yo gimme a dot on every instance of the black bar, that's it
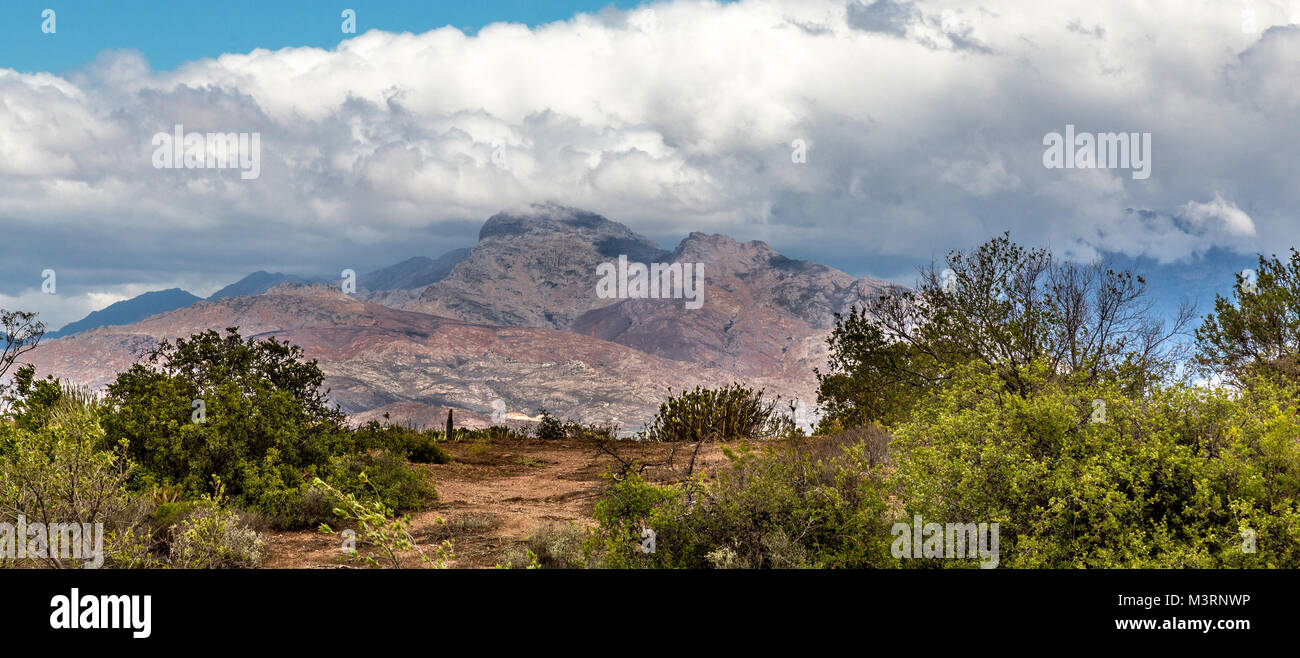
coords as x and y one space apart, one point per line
360 607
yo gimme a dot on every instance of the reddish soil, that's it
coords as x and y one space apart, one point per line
495 494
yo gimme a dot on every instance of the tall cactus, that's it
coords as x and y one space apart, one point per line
450 429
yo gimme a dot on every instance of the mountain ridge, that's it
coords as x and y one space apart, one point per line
517 319
129 310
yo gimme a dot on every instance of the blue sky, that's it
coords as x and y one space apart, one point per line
171 32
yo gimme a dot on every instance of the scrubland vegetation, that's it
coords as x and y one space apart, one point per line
1016 389
1007 388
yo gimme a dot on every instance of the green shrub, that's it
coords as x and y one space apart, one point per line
785 506
621 516
576 431
419 446
708 414
493 433
163 518
549 428
1170 480
53 471
212 536
387 478
265 421
376 527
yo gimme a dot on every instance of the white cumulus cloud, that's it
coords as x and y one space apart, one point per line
924 123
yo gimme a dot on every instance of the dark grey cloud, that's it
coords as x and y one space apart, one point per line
882 16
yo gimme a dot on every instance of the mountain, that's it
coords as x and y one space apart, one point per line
255 284
412 273
535 269
518 318
129 310
416 272
376 357
763 314
159 301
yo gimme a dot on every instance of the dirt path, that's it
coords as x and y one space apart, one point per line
492 496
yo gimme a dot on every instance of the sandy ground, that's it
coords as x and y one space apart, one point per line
494 495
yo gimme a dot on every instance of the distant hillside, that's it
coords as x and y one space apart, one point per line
255 284
128 311
416 272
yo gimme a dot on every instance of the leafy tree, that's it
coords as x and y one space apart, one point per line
1004 306
28 399
871 378
20 332
251 412
1257 332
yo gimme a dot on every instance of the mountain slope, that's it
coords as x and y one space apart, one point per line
255 284
376 357
416 272
129 310
763 314
534 270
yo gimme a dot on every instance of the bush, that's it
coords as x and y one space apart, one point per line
54 472
419 446
706 414
264 422
621 515
1170 480
549 428
264 431
576 431
386 477
550 546
214 537
782 507
493 433
376 527
380 476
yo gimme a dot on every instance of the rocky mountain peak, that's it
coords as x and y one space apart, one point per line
548 222
535 269
726 253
